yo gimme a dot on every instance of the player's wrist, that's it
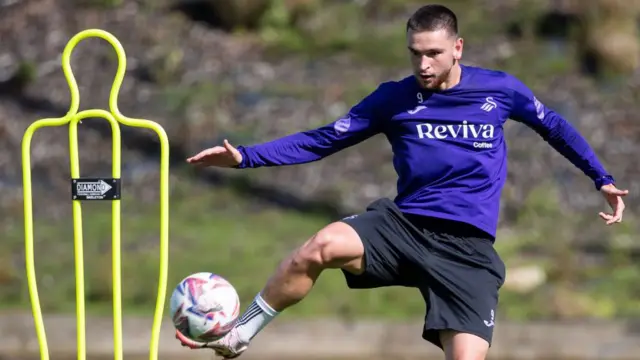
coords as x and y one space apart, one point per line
243 154
603 180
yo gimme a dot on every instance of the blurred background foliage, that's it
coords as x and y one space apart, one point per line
252 70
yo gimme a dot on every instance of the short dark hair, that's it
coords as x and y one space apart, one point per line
433 17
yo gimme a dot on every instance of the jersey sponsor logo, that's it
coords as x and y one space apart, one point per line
463 131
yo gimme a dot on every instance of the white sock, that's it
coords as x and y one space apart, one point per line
254 319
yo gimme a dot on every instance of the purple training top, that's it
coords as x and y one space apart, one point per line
449 148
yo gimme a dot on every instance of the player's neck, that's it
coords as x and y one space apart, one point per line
453 79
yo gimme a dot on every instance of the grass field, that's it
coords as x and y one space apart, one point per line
219 230
211 229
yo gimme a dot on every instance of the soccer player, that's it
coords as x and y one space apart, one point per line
445 125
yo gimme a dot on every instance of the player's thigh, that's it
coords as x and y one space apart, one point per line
463 346
337 245
391 248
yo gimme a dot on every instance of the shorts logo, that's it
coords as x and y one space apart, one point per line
491 322
350 217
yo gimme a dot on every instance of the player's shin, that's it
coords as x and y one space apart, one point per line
291 282
335 246
254 319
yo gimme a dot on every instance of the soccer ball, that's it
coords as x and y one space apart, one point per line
204 306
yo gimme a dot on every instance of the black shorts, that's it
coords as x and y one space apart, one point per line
454 265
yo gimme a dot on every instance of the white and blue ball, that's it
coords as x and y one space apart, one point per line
204 306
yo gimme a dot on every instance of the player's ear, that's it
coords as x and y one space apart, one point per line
457 48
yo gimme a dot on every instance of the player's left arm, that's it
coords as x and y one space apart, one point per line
565 139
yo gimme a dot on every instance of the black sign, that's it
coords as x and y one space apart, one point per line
95 189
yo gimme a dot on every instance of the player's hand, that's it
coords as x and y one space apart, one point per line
219 156
187 342
613 196
219 347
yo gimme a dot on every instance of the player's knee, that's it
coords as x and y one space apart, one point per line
330 247
463 346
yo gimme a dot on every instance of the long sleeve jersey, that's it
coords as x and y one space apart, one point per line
449 148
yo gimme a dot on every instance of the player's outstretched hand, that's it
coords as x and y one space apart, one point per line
219 156
613 196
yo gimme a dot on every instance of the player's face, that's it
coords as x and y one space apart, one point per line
433 55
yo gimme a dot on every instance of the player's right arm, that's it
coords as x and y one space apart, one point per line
363 120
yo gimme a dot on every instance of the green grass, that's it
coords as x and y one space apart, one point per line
232 234
211 230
